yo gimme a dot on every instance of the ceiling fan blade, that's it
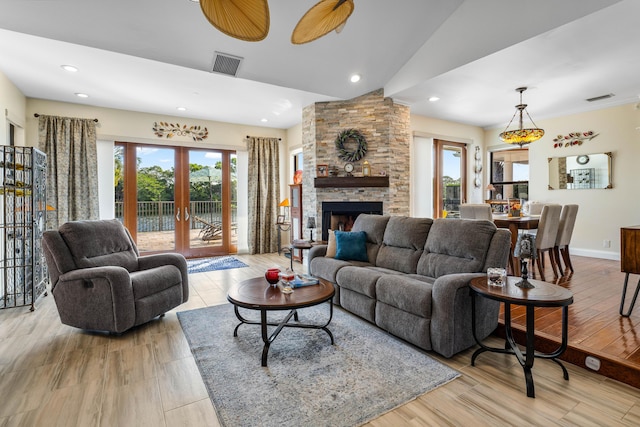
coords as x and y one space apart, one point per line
242 19
324 17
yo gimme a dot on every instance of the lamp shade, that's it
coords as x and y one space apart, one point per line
311 222
242 19
284 203
324 17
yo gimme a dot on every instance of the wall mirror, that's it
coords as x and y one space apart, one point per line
580 172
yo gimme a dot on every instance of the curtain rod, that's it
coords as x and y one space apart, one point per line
279 139
38 115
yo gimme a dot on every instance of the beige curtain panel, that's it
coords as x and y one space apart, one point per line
72 178
264 194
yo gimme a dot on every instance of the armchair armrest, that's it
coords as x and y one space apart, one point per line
157 260
98 298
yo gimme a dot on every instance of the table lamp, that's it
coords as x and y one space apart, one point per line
525 250
285 204
311 224
490 189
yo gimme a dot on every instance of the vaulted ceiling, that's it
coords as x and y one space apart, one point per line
157 55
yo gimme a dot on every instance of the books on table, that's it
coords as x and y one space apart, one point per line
303 280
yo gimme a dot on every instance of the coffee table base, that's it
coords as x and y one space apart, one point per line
268 339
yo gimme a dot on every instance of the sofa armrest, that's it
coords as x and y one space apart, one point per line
157 260
314 252
98 298
451 330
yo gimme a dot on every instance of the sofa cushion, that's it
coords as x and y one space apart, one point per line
405 293
351 245
327 268
360 280
456 246
331 245
374 226
403 242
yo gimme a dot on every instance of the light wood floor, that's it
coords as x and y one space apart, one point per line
54 375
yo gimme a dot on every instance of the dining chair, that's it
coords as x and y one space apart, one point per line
565 231
476 211
535 208
546 237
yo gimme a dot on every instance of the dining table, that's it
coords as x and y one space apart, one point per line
515 224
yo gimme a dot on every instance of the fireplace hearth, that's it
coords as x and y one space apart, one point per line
345 213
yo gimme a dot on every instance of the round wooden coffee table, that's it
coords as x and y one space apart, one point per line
543 294
258 294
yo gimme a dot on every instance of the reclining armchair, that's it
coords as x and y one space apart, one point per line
100 282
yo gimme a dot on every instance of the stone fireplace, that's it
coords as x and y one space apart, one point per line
386 127
341 215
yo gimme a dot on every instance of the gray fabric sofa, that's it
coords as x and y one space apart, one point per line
100 282
415 284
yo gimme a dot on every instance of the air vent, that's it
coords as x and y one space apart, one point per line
600 98
224 63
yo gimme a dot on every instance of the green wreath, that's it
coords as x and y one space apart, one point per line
347 136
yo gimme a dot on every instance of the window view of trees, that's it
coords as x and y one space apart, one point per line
157 184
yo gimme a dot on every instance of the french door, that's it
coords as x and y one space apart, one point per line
450 181
177 199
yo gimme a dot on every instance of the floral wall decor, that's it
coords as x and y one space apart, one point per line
574 138
163 129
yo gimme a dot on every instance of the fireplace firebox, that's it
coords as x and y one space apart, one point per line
344 213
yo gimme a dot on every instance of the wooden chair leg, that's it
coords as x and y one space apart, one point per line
556 255
540 264
567 259
553 263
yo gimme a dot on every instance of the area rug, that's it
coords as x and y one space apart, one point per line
308 381
211 264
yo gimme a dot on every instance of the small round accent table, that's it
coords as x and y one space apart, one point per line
542 295
258 294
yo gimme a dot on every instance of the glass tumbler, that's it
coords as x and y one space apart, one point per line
496 276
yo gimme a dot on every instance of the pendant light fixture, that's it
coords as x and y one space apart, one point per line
521 136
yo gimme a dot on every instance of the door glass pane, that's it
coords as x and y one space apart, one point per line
205 198
155 177
451 180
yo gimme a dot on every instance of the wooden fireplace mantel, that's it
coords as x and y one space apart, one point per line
351 181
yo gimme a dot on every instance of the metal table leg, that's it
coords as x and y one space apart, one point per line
624 294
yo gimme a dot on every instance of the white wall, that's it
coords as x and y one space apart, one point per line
602 212
13 106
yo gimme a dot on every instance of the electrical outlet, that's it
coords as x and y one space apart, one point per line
592 363
606 243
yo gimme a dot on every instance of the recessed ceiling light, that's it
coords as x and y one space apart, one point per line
434 99
181 108
264 120
69 68
355 78
82 95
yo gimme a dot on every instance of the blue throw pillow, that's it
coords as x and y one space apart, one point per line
351 246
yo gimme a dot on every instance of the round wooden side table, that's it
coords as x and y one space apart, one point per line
542 295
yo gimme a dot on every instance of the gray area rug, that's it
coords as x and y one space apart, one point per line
308 381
